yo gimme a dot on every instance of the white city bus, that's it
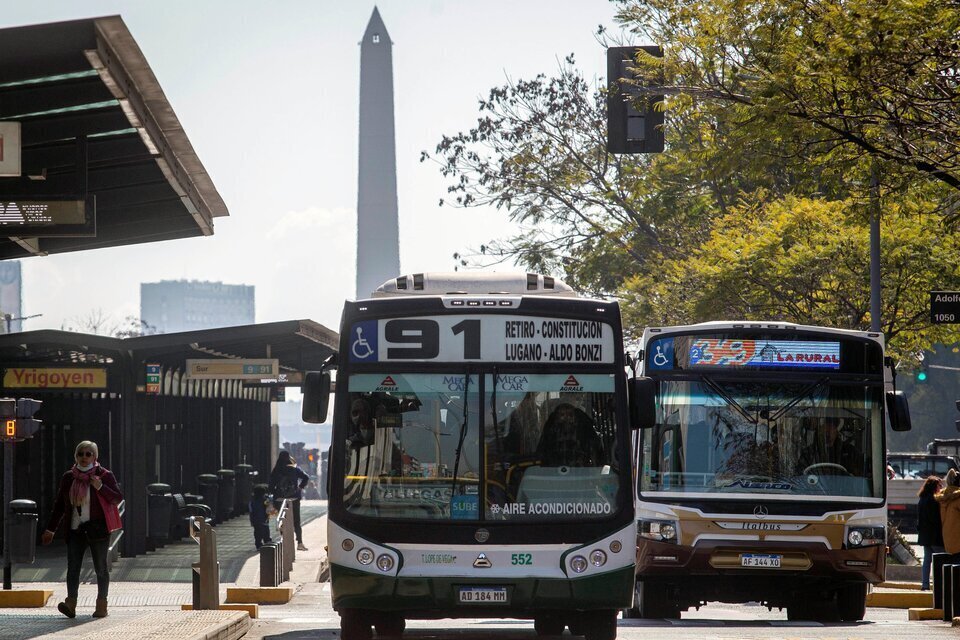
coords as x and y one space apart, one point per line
480 460
763 477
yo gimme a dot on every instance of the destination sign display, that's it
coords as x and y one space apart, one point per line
482 338
743 353
945 307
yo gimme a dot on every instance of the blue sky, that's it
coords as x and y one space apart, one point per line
267 93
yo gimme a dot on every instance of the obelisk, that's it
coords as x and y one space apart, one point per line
378 235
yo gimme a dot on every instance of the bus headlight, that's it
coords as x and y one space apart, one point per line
615 546
659 530
384 562
598 558
347 544
866 536
365 556
578 564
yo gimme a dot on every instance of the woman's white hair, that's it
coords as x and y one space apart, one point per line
87 444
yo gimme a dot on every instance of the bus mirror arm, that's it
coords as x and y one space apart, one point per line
898 410
643 408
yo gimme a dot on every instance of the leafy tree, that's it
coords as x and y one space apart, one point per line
867 78
754 165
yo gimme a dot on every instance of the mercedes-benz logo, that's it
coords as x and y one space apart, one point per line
761 511
481 536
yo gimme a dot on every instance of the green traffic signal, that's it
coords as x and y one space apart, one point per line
922 376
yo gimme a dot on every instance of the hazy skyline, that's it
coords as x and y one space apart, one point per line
268 95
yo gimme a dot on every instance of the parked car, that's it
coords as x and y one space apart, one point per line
909 472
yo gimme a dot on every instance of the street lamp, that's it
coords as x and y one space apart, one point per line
8 318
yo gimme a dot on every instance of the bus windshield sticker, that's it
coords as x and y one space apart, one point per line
482 338
465 507
562 383
363 341
723 352
662 357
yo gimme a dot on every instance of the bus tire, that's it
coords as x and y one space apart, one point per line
390 625
355 625
852 602
797 612
548 625
600 625
652 602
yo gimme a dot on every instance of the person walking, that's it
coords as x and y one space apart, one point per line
929 527
86 502
287 481
949 500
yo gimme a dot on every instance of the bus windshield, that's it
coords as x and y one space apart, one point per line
428 446
810 438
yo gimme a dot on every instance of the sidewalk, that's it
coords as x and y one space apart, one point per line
146 592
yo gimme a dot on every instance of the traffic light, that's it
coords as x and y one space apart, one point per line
17 418
922 375
628 129
956 423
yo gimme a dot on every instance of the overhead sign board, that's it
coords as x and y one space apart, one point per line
55 378
153 379
9 149
51 217
233 369
945 307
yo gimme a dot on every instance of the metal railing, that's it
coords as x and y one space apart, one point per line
113 549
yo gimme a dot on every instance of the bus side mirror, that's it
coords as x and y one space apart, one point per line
316 396
899 411
643 407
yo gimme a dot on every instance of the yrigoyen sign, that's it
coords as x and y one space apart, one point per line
55 378
233 369
945 307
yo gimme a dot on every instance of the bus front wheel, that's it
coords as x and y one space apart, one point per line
600 625
390 625
852 602
355 625
548 625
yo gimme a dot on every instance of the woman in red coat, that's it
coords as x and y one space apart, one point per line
87 500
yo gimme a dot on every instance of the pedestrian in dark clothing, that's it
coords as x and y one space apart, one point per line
86 501
929 527
287 481
260 506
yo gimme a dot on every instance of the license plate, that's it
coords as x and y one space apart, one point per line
767 561
483 595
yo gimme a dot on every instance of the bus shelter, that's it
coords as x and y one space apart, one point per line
152 420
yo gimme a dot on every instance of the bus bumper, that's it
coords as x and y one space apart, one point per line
438 597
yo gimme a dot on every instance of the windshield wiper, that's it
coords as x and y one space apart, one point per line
717 389
462 437
804 393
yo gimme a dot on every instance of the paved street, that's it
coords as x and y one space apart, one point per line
147 591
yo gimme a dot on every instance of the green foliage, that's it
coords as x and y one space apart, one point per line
782 114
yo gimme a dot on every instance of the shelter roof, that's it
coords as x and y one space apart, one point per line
88 78
299 345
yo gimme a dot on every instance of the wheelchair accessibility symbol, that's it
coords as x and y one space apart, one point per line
662 357
363 347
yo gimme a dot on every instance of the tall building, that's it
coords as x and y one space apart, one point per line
11 297
378 235
186 305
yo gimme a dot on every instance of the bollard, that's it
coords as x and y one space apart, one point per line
288 547
269 565
937 562
206 573
947 590
954 578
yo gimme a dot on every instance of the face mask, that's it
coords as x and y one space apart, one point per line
85 467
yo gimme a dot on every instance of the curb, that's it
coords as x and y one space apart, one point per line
900 599
915 613
24 598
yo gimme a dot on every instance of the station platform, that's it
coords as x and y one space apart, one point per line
147 592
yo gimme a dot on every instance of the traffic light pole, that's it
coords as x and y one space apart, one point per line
7 499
